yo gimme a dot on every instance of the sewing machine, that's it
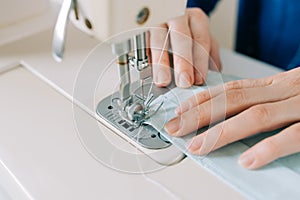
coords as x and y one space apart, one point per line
125 111
40 143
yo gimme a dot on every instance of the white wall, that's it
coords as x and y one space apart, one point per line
223 23
12 11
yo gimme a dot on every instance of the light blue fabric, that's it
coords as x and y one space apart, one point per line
278 180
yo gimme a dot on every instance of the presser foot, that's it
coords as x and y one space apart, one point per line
129 119
138 110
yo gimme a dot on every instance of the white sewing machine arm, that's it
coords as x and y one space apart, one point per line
106 18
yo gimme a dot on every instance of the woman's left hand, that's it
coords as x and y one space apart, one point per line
255 106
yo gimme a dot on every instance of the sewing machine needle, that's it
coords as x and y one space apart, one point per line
143 92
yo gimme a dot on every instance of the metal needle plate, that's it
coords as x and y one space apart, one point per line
145 135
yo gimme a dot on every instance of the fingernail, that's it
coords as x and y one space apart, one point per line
172 126
198 80
247 160
162 78
184 80
194 144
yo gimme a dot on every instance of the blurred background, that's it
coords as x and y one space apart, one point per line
223 23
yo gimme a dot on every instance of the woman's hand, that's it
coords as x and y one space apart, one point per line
192 47
255 106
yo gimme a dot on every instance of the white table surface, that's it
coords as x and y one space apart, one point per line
41 155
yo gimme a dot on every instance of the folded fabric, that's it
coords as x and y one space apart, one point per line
278 180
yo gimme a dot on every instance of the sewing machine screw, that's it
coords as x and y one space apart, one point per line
143 16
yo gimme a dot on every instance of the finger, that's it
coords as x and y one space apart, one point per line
229 87
219 108
198 22
257 119
188 122
274 82
182 51
199 98
197 117
285 143
215 61
227 104
159 43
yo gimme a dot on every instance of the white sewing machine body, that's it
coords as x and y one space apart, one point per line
41 155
